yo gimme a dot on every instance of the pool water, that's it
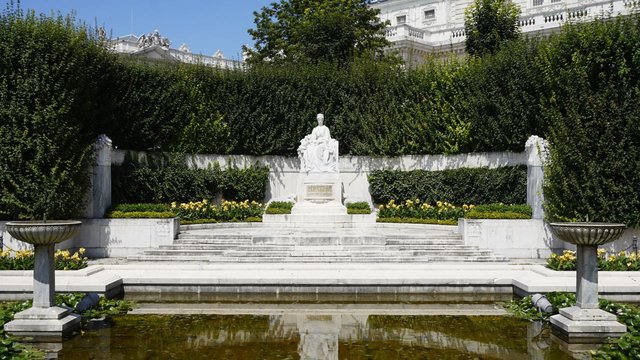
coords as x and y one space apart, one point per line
300 334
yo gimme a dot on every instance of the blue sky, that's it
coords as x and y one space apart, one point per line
204 25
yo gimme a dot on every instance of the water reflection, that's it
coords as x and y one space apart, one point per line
316 334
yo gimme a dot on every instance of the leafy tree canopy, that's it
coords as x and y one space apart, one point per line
488 23
310 31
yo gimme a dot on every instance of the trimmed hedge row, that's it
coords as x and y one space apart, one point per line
460 186
164 182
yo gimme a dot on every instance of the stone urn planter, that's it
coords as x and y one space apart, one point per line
44 320
585 322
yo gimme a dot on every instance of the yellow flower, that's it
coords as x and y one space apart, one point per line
381 207
81 251
439 203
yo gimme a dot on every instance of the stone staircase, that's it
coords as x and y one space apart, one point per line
266 244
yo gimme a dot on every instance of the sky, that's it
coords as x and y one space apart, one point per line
204 25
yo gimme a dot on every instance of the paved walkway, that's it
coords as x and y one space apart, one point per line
114 277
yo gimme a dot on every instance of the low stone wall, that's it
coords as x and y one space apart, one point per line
515 239
526 239
113 237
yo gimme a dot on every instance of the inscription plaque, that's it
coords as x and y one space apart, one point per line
320 191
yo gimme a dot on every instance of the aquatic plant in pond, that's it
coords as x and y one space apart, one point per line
626 347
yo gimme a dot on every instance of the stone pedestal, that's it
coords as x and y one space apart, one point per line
576 325
43 324
319 194
44 321
586 323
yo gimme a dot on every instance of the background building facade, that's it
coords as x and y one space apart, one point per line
419 28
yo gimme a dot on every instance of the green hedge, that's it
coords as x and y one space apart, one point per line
279 208
50 71
359 207
500 211
141 207
170 179
418 221
372 108
593 82
60 88
140 215
460 186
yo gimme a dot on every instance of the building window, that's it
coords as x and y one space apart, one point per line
400 20
538 2
430 14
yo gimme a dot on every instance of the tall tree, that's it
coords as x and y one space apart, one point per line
303 31
488 23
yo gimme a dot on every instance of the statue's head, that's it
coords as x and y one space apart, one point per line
320 119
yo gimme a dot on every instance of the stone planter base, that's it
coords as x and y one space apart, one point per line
576 325
43 324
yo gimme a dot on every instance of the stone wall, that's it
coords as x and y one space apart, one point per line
112 237
354 170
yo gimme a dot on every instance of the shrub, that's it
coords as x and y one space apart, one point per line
241 184
162 180
460 186
593 91
50 68
417 221
165 179
359 207
141 207
140 215
279 207
500 211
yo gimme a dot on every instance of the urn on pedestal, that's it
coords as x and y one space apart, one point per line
44 320
585 322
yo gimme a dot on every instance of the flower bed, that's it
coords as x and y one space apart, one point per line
225 212
24 260
622 261
415 211
198 212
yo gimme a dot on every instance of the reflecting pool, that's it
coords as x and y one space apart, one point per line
307 331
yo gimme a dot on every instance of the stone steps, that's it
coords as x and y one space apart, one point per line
387 244
318 259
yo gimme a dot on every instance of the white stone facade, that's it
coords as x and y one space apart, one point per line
426 27
141 46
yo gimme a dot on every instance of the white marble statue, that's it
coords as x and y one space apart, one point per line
318 152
